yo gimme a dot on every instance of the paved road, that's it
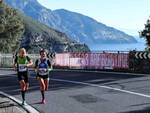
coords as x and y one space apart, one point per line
85 92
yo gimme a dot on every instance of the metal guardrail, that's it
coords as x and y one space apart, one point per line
7 60
136 64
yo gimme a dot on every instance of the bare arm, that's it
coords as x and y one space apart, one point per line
29 64
51 67
36 66
15 66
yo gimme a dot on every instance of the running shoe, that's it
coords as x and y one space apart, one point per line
43 101
23 102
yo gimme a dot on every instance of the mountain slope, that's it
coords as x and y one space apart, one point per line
90 30
77 26
38 36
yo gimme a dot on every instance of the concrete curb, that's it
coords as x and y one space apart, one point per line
27 107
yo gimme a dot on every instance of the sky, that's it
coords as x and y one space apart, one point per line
126 15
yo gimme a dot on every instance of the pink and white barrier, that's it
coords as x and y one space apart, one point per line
101 60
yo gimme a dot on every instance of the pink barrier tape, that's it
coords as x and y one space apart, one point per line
101 60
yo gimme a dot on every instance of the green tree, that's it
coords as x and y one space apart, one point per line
11 28
145 33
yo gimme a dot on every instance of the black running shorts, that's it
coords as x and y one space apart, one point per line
45 77
23 76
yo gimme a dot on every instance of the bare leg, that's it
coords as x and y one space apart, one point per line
22 85
42 88
46 82
26 86
42 85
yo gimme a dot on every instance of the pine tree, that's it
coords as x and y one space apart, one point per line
146 32
11 28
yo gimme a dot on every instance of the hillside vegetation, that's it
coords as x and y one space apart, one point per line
38 36
18 30
11 28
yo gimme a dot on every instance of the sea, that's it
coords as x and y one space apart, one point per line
139 46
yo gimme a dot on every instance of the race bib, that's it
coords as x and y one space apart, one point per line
42 72
22 68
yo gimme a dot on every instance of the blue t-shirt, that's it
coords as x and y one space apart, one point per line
43 64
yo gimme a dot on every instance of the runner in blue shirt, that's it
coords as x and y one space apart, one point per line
43 66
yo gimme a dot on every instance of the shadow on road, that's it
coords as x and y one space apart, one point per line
11 85
93 78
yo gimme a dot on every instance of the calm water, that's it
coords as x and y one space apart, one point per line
140 46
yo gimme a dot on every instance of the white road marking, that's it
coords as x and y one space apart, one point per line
27 107
101 86
8 74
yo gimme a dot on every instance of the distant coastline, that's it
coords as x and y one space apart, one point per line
139 46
